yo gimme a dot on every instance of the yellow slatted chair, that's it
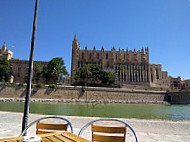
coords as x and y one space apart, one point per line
108 133
102 130
49 127
42 128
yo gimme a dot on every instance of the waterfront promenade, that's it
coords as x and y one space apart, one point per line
147 130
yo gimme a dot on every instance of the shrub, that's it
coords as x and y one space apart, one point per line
6 83
21 84
52 86
39 85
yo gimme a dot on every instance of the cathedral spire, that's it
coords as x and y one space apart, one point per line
4 47
102 48
75 37
75 43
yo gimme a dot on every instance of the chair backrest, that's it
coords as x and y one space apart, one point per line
49 127
108 134
99 132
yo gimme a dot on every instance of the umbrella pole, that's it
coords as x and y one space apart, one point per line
30 72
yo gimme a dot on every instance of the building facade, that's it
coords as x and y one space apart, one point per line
185 84
131 67
19 68
5 53
174 82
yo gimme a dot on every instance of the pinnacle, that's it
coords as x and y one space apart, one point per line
4 46
75 37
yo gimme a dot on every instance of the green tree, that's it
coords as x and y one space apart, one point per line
108 78
38 70
94 74
85 73
4 69
55 70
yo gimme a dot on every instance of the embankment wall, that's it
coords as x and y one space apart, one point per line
88 94
92 94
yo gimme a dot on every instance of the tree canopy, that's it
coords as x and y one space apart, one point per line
56 69
38 71
93 75
4 69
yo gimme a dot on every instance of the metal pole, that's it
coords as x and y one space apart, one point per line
30 72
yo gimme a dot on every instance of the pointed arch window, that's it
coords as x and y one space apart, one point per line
98 56
106 55
108 64
82 55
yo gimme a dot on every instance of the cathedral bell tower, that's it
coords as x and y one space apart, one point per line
75 57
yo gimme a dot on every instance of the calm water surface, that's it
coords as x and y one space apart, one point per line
142 111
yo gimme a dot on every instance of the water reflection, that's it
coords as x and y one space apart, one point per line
142 111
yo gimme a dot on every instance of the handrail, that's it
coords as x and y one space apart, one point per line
107 119
43 118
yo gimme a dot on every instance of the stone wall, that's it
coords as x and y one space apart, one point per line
178 97
89 94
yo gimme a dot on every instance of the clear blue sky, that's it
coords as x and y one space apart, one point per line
162 25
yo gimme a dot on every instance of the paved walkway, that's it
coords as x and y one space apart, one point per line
147 130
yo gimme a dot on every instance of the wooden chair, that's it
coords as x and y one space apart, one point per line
42 128
49 127
108 133
98 134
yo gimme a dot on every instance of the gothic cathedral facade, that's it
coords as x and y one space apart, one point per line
131 67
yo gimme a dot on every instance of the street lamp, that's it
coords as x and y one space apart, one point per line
29 82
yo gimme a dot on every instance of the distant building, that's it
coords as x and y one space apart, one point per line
158 78
174 82
131 67
19 68
185 84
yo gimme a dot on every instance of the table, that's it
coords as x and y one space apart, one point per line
52 137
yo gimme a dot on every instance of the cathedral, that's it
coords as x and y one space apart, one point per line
131 67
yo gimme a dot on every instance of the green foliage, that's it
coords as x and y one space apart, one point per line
56 69
108 78
13 84
52 86
94 75
122 67
6 83
32 85
39 85
21 84
38 70
4 70
25 79
83 89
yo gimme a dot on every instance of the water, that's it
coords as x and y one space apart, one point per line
142 111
